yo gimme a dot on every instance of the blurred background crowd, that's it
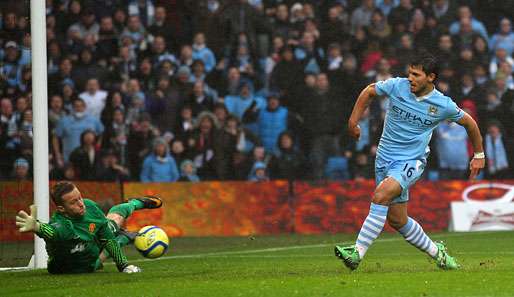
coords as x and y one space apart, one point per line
170 90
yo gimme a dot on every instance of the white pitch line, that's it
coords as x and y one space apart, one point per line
275 249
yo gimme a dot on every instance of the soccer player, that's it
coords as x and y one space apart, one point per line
415 109
78 231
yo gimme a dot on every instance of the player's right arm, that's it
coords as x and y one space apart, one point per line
29 223
360 106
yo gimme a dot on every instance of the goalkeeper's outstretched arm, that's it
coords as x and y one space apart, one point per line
28 223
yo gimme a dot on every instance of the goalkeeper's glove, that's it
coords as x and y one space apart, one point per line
26 222
131 269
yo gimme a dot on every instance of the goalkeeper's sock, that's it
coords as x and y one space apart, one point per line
371 228
138 204
124 209
414 234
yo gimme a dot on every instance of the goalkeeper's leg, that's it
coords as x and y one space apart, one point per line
119 213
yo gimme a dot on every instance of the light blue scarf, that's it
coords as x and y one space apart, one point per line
495 151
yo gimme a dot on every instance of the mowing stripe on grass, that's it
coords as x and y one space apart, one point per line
278 249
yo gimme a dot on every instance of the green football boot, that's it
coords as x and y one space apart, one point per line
349 255
443 260
150 202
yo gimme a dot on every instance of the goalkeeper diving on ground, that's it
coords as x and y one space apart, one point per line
79 237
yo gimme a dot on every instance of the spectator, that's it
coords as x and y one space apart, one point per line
258 173
287 161
244 140
135 31
202 52
499 57
55 112
161 27
337 27
480 50
444 51
465 35
185 122
86 69
87 24
116 133
452 151
159 166
13 65
107 40
281 25
221 113
21 170
206 146
9 28
94 97
443 11
199 101
361 16
386 6
504 38
145 55
57 78
378 27
85 158
141 136
498 150
144 9
401 15
322 126
287 73
237 105
243 61
69 130
114 101
178 150
271 121
109 169
468 89
309 54
188 172
6 117
145 76
22 104
465 17
20 134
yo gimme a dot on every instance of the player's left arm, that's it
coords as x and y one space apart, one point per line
107 240
478 161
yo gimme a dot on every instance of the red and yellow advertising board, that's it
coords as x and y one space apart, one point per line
256 208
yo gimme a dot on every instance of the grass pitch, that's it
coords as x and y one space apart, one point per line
291 265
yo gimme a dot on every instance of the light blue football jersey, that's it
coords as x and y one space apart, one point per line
409 122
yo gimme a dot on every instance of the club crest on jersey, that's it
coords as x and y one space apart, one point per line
92 227
432 110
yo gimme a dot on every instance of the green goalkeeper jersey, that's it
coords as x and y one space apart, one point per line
74 244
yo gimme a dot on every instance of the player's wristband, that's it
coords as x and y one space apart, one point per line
479 155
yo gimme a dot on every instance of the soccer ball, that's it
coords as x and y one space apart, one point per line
151 242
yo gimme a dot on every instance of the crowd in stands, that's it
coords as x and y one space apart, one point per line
191 90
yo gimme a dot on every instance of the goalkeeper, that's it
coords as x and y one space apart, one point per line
78 231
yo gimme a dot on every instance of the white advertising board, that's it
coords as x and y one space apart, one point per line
496 213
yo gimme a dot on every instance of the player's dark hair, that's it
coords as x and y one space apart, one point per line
59 190
427 61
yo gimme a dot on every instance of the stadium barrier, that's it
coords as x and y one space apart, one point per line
277 207
248 208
